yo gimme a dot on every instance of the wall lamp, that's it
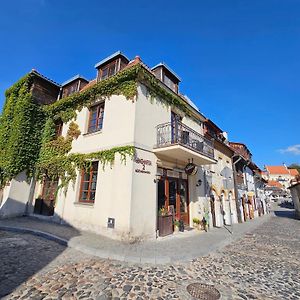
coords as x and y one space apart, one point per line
199 182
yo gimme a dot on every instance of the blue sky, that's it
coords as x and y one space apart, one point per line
238 60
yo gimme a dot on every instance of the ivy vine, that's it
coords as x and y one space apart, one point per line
27 129
21 124
56 162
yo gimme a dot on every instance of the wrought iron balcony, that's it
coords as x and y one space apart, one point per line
178 134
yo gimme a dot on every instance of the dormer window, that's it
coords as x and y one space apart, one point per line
108 70
111 65
167 76
73 85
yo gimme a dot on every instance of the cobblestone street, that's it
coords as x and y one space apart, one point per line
264 264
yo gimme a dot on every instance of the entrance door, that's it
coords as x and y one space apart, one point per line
174 192
212 209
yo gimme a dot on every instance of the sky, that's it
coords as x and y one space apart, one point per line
238 60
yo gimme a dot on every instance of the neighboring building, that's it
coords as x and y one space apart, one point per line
280 174
16 194
243 168
220 178
260 190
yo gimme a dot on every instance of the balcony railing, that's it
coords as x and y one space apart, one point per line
177 133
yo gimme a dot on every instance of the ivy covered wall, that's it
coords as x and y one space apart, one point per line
27 129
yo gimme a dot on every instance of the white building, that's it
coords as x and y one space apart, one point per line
123 201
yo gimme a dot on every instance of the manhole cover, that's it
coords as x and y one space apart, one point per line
203 291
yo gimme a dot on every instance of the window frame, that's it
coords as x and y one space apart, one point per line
90 182
99 106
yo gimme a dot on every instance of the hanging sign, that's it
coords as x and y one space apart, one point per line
191 169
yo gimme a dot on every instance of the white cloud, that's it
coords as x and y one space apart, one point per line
295 149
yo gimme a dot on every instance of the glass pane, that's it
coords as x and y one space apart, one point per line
92 129
183 196
172 193
161 194
95 167
93 185
86 176
93 122
84 195
112 69
92 196
85 186
104 73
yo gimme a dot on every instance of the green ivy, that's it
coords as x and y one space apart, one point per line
123 83
26 125
21 124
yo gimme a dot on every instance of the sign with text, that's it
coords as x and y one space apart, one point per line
144 163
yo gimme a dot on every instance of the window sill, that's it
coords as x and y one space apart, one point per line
92 133
87 204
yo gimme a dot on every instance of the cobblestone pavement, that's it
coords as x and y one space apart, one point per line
264 264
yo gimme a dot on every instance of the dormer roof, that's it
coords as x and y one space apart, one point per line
165 66
74 78
111 57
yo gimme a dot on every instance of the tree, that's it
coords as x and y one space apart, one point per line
294 166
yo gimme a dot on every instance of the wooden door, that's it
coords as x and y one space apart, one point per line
213 213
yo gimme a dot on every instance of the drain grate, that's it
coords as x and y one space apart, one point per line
203 291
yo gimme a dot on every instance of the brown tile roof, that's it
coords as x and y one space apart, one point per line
294 172
277 170
275 184
91 83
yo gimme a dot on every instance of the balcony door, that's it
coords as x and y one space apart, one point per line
175 127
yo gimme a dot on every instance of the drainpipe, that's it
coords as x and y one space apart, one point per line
235 187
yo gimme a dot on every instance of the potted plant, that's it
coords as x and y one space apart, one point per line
176 225
196 223
165 222
205 220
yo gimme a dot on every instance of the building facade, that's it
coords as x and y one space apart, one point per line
126 155
220 178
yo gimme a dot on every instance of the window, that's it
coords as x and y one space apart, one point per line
170 83
96 118
108 70
88 184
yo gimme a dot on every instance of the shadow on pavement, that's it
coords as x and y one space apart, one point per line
23 254
287 213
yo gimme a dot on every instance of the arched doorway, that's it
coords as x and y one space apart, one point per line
222 210
212 209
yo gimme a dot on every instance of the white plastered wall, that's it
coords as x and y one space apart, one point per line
15 196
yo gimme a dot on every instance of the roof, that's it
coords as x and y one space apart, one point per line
294 172
277 170
191 103
35 72
162 64
275 184
74 78
91 83
103 61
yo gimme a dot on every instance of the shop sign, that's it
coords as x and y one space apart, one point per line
144 163
191 169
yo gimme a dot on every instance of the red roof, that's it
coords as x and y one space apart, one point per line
294 172
277 170
275 184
